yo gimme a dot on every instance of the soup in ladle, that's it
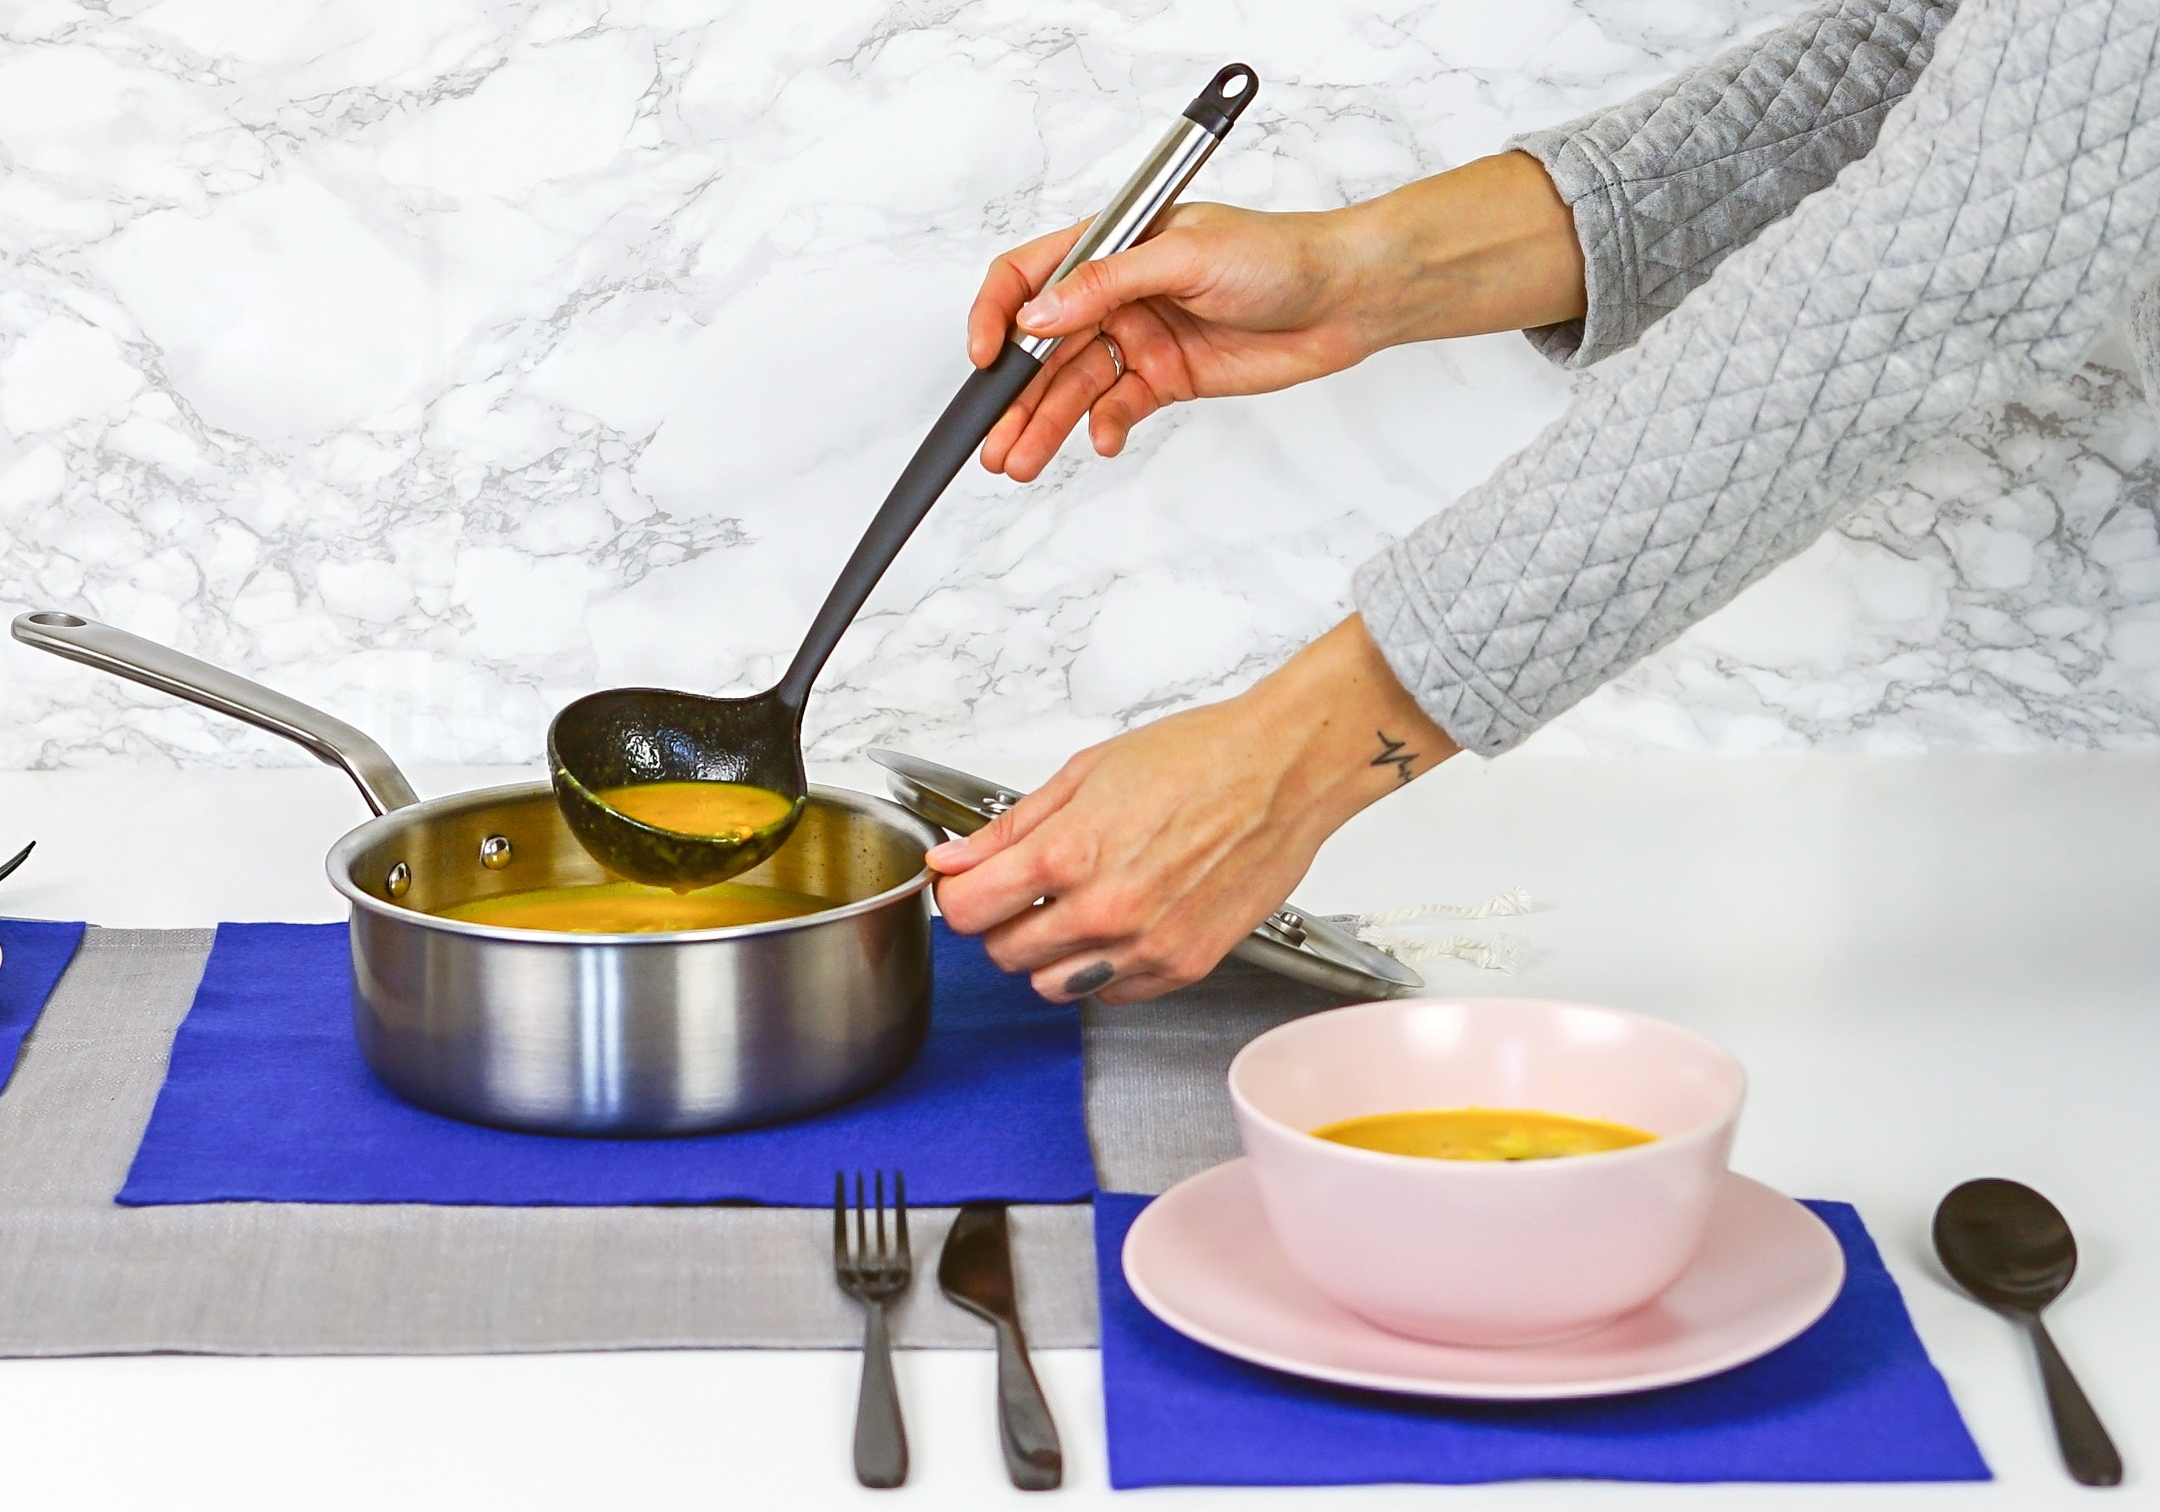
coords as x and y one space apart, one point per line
713 810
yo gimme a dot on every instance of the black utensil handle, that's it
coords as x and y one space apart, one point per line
880 1437
1218 106
1033 1457
2086 1448
990 391
986 395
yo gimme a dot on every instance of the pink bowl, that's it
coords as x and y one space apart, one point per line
1477 1252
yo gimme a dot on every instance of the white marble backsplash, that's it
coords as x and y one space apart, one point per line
440 360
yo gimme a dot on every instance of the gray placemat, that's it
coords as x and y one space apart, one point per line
80 1275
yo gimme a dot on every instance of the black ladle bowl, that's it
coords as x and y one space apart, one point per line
637 735
629 736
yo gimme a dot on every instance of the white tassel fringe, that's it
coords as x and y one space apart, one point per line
1502 953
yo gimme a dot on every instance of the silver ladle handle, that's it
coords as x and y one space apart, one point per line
990 391
154 666
1155 184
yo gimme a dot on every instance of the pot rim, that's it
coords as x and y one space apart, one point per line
340 859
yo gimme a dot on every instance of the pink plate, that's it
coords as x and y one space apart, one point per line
1202 1258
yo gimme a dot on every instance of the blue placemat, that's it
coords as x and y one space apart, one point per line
33 953
268 1100
1852 1399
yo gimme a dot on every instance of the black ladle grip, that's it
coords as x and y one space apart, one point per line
1218 106
990 391
986 395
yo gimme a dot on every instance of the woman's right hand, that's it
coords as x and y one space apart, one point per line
1218 301
1221 301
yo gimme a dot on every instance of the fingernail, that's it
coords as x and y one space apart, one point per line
1088 978
950 850
1042 310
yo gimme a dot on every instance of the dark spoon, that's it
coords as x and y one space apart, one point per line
7 867
639 735
2010 1247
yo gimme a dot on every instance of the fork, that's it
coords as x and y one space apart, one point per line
874 1277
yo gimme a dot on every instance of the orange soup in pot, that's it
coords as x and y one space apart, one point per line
631 908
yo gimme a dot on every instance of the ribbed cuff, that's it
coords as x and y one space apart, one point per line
1588 183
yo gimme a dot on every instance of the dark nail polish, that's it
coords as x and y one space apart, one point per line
1088 978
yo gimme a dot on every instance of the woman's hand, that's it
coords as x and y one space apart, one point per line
1221 301
1146 858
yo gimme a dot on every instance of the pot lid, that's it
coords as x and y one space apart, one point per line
1318 949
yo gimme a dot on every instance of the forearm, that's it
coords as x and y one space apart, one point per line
1339 729
1587 233
1489 246
1664 186
1146 858
1798 378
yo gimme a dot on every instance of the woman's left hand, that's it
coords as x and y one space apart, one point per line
1146 858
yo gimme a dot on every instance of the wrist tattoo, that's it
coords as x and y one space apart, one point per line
1393 755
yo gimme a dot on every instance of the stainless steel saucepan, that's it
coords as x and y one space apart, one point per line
582 1033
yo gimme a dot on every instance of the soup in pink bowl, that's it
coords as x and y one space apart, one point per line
1487 1251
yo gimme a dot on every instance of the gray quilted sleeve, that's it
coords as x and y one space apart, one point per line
1667 184
2010 207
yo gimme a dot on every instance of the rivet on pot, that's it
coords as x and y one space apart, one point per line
495 852
399 882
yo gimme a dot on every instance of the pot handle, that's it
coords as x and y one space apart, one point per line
154 666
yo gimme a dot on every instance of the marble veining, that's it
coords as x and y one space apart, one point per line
440 360
2006 596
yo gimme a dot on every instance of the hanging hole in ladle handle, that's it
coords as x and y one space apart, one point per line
1225 98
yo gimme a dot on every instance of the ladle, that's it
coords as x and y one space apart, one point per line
2012 1249
627 736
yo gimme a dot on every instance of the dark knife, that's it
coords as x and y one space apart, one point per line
975 1271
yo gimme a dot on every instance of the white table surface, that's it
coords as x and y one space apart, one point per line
1933 967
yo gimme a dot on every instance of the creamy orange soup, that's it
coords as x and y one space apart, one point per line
1482 1134
722 810
629 908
